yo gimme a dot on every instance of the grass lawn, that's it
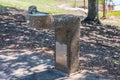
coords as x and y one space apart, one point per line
50 6
112 18
42 5
114 13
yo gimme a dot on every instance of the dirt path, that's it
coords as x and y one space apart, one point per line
111 20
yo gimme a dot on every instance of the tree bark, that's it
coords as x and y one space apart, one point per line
104 9
84 4
92 17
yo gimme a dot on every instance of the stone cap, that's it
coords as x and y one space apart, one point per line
40 20
65 20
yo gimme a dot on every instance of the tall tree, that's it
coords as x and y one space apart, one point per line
92 17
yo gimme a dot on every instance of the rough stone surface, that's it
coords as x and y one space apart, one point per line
67 32
40 20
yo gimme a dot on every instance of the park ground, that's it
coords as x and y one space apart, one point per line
22 57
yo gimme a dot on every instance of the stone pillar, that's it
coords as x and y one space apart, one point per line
67 33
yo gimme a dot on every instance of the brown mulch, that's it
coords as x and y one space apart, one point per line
15 34
100 49
100 45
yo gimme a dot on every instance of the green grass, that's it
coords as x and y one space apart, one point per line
45 5
114 13
42 5
117 25
100 1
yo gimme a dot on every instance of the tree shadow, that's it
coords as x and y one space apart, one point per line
100 48
16 35
27 66
23 51
44 75
10 16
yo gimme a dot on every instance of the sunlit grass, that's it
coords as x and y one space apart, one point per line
42 5
114 13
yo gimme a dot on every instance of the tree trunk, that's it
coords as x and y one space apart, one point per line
92 17
84 4
104 9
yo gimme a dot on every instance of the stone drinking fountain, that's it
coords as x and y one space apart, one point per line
67 33
39 20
